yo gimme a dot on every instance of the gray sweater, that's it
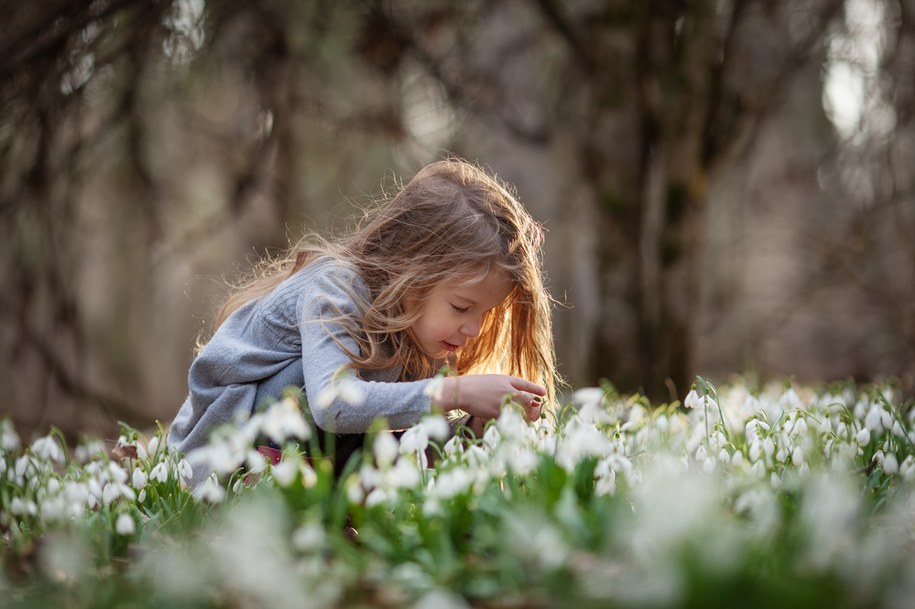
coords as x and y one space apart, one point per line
279 340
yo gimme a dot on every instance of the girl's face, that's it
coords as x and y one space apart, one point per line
454 313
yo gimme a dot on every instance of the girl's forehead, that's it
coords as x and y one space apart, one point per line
492 286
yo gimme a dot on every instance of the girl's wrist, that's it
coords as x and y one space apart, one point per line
447 396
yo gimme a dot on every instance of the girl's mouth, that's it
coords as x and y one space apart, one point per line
450 347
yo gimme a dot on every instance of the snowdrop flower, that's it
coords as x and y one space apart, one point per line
781 455
284 420
451 483
436 427
828 510
160 472
354 491
23 507
113 490
797 456
378 496
414 440
210 491
48 448
256 462
117 473
874 421
218 456
87 450
588 396
285 472
907 468
755 451
890 464
403 475
52 509
125 524
790 400
344 389
351 393
9 439
152 448
309 537
434 388
184 470
692 400
751 430
139 479
863 437
385 448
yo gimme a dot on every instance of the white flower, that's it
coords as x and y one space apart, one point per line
48 448
451 483
256 462
403 475
797 457
436 427
692 400
217 457
907 468
285 472
125 524
378 496
414 440
184 470
345 389
755 451
308 537
873 420
863 437
117 473
160 472
385 449
23 507
153 447
113 490
52 509
210 491
284 420
354 491
139 479
890 464
588 397
790 399
434 388
9 439
351 392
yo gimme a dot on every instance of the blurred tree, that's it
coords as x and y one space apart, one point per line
145 144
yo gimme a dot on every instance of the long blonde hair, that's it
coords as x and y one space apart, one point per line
451 223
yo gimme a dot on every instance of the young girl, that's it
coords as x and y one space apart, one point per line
447 273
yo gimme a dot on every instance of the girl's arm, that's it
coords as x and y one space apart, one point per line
481 395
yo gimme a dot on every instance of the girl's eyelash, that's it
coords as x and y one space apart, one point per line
460 309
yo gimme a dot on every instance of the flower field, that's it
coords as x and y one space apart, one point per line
738 496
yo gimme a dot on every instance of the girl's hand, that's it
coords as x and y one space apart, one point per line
482 394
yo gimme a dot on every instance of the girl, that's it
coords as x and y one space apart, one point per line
447 273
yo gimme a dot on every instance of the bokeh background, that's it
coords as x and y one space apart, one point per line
727 184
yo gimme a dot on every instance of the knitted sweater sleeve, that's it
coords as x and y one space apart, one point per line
348 401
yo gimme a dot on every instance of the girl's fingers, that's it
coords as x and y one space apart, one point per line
533 412
528 386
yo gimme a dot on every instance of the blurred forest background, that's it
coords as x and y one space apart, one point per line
727 184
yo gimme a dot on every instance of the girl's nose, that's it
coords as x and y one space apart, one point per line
471 328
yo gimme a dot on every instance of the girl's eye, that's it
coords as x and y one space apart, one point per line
460 309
